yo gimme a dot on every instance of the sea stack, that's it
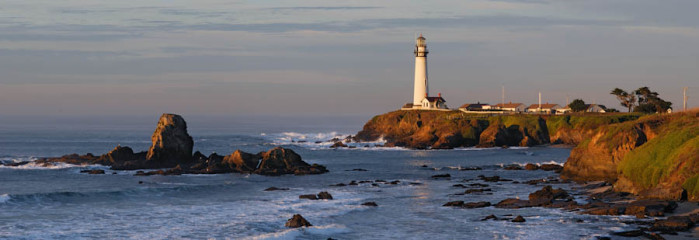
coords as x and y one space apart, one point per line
172 144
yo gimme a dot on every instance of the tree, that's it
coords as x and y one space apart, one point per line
627 100
577 105
612 110
650 102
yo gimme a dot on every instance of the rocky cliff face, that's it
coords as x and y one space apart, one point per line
656 156
440 130
172 145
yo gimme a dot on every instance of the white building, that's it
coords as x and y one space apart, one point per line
545 108
507 107
596 108
421 97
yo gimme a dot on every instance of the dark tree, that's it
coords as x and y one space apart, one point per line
627 100
650 102
577 105
612 110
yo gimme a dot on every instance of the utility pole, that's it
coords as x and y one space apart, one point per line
539 102
503 94
684 98
567 100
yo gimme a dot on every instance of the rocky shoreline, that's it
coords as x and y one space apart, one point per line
171 152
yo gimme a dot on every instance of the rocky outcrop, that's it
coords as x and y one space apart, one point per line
450 129
172 145
172 148
297 221
655 157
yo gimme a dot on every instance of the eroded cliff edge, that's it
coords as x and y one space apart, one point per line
656 156
653 156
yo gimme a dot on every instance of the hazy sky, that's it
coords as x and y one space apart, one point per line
83 57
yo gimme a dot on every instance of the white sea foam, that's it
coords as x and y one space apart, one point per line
318 141
324 230
4 198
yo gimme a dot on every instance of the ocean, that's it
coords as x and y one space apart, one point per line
59 202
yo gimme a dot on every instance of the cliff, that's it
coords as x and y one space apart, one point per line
439 130
656 156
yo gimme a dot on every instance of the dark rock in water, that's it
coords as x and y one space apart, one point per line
490 217
241 161
318 142
338 145
673 223
454 204
519 219
302 141
632 233
172 145
477 190
424 166
470 168
140 182
551 167
513 167
370 204
93 171
276 189
278 161
459 185
493 179
478 185
546 196
339 185
442 176
297 221
358 170
513 203
476 205
308 196
394 182
325 195
531 167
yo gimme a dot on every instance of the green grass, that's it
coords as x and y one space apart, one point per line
676 144
692 185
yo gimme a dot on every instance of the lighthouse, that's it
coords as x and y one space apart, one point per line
421 91
421 96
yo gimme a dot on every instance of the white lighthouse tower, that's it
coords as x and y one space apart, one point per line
421 97
421 90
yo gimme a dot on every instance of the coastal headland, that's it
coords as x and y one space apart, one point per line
653 156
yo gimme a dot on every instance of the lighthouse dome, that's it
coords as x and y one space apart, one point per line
420 42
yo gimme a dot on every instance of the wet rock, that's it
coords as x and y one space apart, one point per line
308 196
297 221
546 196
513 203
358 170
470 168
478 185
93 171
172 144
489 217
339 185
513 167
531 167
394 182
493 179
338 145
551 167
459 185
441 176
476 205
325 195
353 183
477 190
632 233
370 204
673 223
454 204
276 189
519 219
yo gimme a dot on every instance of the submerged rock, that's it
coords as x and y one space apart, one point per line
370 204
519 219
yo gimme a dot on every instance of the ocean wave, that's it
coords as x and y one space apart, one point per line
5 198
324 230
69 196
538 164
320 141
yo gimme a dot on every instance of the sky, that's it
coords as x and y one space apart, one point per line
271 57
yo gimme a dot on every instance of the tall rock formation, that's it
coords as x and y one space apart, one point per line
172 145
